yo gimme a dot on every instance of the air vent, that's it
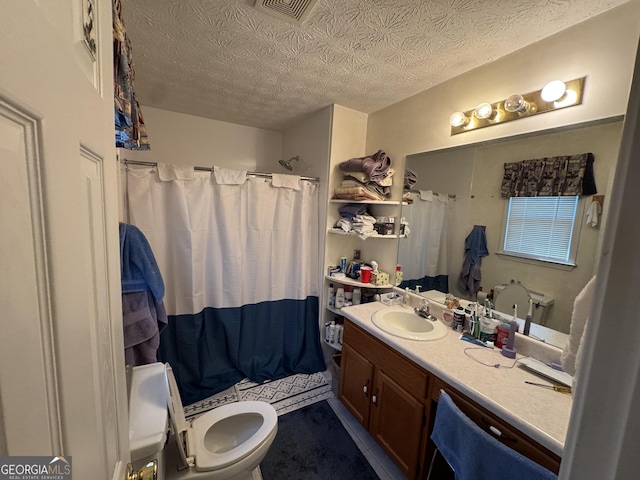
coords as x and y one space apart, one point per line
293 11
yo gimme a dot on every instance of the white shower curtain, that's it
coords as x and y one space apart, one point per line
240 269
424 254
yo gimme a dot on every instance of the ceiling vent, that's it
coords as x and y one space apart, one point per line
293 11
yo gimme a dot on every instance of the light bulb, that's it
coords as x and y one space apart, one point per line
458 119
553 91
516 103
483 111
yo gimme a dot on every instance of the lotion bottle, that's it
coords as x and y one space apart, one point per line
340 297
331 298
332 332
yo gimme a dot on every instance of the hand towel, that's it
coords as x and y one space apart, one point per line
572 352
138 268
474 454
593 214
168 172
280 180
225 176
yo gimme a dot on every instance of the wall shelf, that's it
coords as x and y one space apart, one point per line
355 283
367 202
339 231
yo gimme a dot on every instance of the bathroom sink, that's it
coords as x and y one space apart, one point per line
404 323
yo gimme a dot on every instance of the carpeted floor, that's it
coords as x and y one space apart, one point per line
312 444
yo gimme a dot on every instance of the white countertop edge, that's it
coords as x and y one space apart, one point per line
361 315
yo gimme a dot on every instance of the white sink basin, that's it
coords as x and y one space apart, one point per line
404 323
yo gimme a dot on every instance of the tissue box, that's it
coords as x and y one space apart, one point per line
380 278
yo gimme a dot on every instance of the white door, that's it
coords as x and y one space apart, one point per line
62 379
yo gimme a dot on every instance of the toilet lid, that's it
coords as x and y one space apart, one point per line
513 294
176 414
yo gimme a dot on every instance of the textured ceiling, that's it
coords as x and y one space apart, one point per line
225 60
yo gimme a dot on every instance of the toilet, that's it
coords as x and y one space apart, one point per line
226 443
510 294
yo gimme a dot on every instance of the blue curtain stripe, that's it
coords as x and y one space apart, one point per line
217 347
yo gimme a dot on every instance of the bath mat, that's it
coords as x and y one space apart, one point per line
312 444
285 394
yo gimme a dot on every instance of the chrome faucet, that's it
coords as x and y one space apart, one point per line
423 311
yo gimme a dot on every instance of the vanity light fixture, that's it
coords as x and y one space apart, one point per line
554 96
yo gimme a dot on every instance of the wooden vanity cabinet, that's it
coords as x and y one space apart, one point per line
396 400
386 394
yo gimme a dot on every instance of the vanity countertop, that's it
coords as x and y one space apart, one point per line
540 413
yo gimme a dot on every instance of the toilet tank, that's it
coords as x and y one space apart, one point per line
148 411
541 304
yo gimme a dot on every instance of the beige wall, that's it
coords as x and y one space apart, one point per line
603 49
182 139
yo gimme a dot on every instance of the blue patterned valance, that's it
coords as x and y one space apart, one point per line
548 177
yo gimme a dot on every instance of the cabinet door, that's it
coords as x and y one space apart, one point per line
396 423
356 376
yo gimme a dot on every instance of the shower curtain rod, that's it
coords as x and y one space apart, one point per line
210 169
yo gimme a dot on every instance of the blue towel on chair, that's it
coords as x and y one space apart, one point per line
476 455
138 268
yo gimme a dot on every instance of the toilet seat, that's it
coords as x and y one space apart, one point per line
513 294
192 438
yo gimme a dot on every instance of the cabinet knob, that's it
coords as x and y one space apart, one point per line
365 389
374 399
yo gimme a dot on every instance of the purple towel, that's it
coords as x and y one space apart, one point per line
376 166
143 319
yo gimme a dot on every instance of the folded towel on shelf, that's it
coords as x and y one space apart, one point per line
280 180
371 186
474 454
350 210
168 172
226 176
363 225
344 224
376 166
364 178
356 194
138 268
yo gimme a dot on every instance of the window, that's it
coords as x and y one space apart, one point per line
542 228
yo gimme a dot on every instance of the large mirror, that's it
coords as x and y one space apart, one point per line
467 180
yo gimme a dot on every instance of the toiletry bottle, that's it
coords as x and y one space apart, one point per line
332 332
331 298
398 275
339 330
527 321
340 297
327 335
357 296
